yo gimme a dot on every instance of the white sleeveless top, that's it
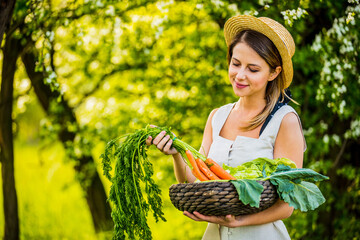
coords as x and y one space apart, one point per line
239 151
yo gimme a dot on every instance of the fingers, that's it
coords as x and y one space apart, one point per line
165 144
200 217
192 216
213 219
160 145
148 141
159 137
228 220
168 146
162 142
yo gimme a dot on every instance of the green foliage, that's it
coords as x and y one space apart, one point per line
339 48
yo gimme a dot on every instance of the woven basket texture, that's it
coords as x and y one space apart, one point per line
217 198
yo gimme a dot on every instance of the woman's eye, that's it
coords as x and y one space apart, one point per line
253 70
236 64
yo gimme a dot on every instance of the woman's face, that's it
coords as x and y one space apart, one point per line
249 73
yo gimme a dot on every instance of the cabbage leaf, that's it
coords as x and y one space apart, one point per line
295 186
249 191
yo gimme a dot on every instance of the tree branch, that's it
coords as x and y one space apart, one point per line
6 11
338 157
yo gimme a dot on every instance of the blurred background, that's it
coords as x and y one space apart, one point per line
76 74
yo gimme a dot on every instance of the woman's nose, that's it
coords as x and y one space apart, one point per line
240 74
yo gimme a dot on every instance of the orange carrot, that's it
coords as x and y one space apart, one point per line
218 170
205 170
201 177
196 171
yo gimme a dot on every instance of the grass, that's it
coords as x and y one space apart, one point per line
52 205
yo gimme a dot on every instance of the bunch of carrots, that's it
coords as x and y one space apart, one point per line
133 170
208 169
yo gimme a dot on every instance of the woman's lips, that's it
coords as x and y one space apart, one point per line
238 85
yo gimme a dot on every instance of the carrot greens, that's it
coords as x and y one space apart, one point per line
133 175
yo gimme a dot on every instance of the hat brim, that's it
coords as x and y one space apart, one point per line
240 23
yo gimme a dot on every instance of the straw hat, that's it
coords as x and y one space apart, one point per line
276 32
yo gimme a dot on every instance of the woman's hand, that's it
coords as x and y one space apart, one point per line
163 142
227 221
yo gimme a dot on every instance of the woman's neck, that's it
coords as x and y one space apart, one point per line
249 106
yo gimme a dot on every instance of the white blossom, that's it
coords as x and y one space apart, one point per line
293 14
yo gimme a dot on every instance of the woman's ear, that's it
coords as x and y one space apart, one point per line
274 73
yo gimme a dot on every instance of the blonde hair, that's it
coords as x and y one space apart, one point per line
268 51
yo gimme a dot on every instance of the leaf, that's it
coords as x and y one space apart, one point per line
249 191
293 187
297 174
258 168
304 196
284 186
264 171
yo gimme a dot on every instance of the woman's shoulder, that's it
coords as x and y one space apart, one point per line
287 118
290 120
220 109
225 107
212 113
291 129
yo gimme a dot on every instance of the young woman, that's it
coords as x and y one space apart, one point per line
259 124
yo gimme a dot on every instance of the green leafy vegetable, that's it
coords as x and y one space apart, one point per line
133 175
258 168
294 185
297 174
248 197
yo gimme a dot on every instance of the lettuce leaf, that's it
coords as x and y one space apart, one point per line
242 172
258 168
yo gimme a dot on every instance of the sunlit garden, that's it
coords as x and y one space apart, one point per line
81 73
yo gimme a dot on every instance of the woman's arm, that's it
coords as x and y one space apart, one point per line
290 144
280 210
179 163
207 135
181 169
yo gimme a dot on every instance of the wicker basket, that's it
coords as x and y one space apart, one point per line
217 198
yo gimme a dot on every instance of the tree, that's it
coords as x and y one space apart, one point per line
19 37
6 136
11 53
